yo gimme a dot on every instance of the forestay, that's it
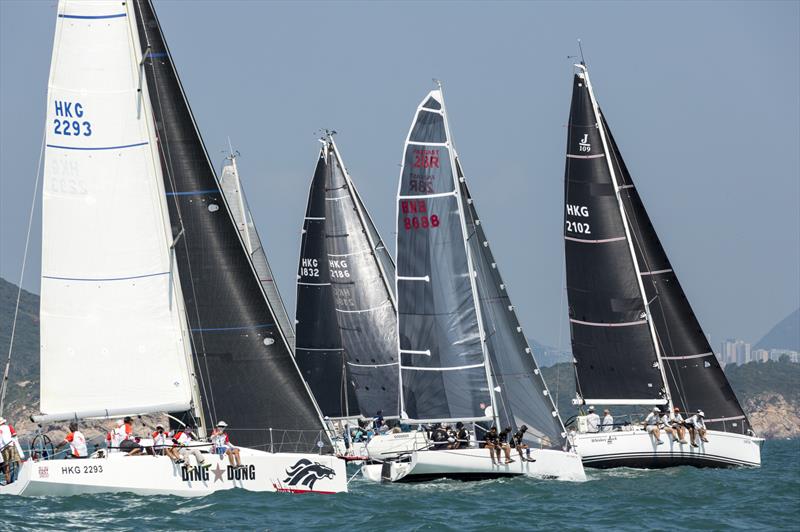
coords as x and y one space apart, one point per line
111 313
362 274
319 351
615 356
443 372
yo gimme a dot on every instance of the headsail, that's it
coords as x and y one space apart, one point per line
522 397
443 372
240 210
319 352
362 278
247 373
111 310
615 356
696 380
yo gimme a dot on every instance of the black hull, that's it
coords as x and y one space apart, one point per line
649 461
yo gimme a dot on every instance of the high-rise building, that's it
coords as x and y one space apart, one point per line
735 352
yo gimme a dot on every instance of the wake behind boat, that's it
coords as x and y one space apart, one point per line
464 358
150 299
635 339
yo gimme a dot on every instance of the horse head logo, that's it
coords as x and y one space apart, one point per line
306 473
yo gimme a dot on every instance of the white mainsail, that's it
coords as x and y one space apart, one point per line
112 325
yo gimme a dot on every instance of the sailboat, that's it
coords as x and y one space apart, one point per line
150 302
635 339
346 312
461 345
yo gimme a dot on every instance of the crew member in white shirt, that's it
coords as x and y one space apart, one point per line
592 421
608 421
76 441
696 427
651 423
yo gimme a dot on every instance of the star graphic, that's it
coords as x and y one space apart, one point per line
218 473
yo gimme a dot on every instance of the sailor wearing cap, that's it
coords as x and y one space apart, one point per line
697 426
651 424
608 421
161 439
222 444
592 421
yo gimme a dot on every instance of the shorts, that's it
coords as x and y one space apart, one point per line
10 454
651 428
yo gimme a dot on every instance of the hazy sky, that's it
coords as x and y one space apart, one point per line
703 99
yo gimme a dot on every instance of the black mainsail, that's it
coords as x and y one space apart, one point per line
319 350
247 373
690 375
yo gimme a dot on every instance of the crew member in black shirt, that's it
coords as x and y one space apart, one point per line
516 441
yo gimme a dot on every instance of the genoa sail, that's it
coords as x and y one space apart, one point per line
521 397
362 275
245 367
442 372
240 210
111 319
695 379
319 351
615 358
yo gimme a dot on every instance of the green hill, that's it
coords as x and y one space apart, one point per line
23 378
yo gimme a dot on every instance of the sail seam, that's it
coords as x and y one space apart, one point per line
453 368
600 241
372 365
242 328
686 357
656 272
103 279
362 310
320 349
93 17
350 254
597 156
427 278
597 324
100 148
437 195
314 284
418 143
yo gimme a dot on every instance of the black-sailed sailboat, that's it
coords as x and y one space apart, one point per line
346 313
464 356
150 300
635 339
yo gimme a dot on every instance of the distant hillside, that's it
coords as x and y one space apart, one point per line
768 392
23 390
785 335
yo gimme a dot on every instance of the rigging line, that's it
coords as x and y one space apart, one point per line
169 167
22 274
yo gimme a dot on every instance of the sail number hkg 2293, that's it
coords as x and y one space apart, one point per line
65 126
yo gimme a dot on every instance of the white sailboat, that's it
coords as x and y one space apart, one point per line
120 335
635 339
461 345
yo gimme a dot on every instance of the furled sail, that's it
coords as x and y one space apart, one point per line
319 352
615 357
695 379
247 373
442 373
521 397
362 274
111 309
240 210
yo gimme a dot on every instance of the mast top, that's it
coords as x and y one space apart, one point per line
232 154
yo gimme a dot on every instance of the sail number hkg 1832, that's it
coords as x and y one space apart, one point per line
417 215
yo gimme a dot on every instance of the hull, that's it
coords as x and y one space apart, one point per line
157 475
637 448
474 464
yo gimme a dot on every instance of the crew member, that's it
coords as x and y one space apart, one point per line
490 442
460 437
127 442
517 441
673 425
502 443
439 437
161 440
76 441
10 454
697 426
651 423
183 440
592 421
222 444
608 421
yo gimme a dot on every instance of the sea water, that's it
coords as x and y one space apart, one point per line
617 499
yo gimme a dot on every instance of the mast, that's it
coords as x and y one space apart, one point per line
457 180
232 156
607 151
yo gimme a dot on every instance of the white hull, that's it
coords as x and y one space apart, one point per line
636 448
157 475
474 464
